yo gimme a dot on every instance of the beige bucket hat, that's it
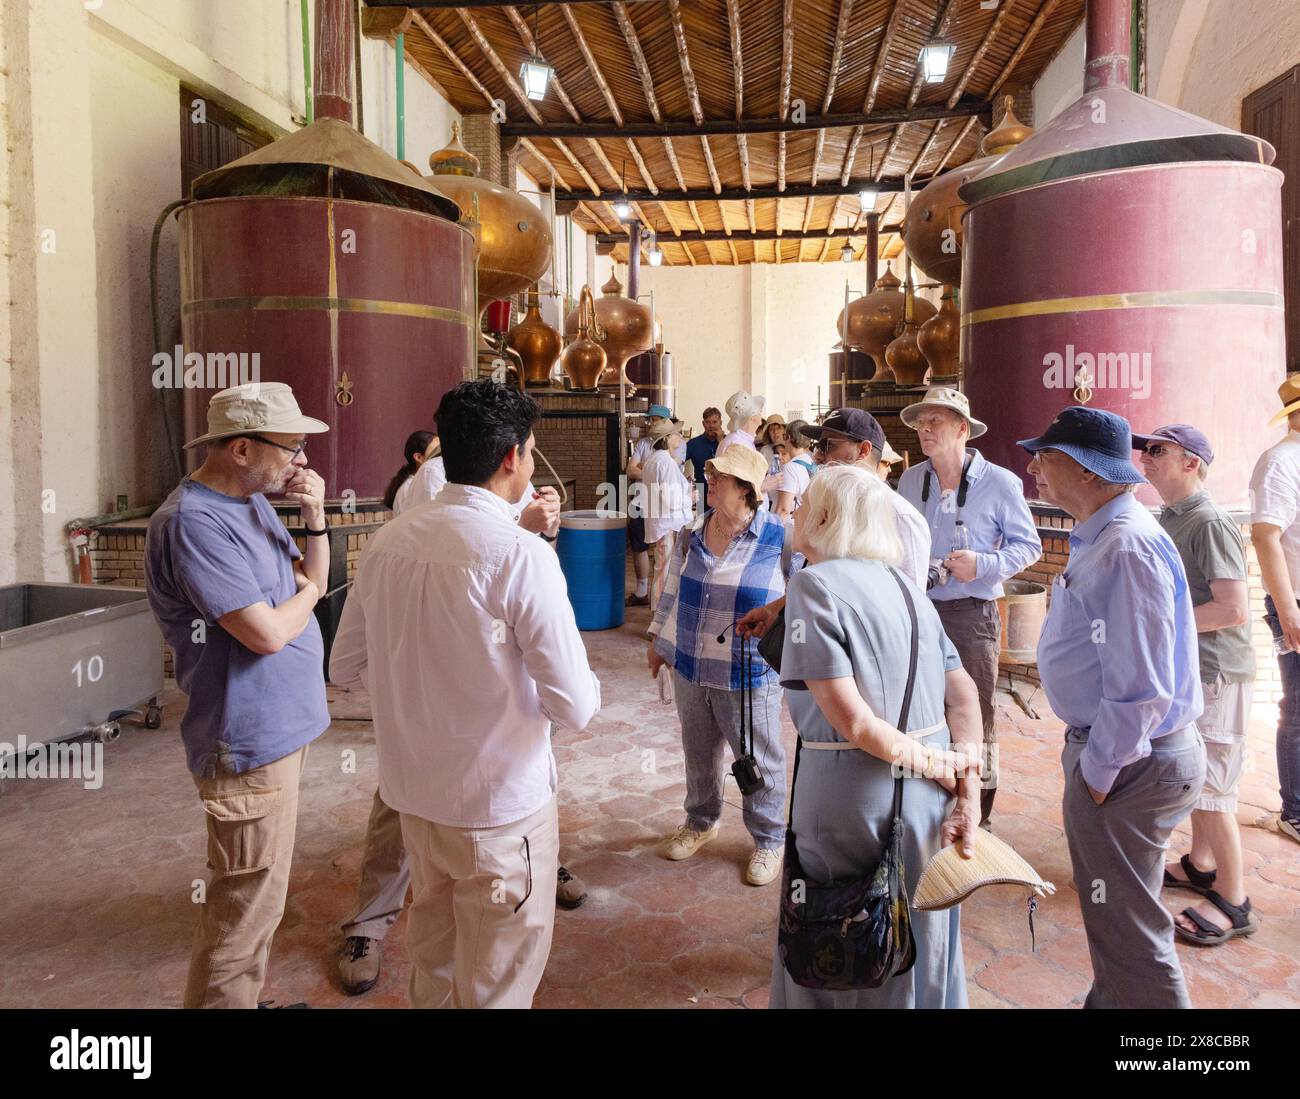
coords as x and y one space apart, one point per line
743 463
661 428
890 455
941 396
256 407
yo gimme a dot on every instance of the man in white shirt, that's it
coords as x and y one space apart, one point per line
1275 532
851 436
460 627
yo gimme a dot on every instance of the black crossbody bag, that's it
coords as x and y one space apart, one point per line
857 933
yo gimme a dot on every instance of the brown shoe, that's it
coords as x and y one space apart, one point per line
569 891
637 601
359 964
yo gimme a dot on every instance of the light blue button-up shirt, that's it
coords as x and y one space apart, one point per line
1002 531
1118 650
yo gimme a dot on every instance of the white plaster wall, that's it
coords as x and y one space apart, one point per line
1203 56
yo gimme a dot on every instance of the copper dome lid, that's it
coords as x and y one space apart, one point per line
613 288
326 159
455 159
1007 134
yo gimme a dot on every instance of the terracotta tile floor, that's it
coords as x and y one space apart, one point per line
96 901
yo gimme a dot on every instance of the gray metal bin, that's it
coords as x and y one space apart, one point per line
74 658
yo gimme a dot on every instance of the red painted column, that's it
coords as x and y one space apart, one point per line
332 75
633 259
873 251
1107 45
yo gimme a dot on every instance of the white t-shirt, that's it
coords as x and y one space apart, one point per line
736 437
428 482
641 450
795 478
669 496
1275 497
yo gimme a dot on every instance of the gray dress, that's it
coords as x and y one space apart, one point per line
847 617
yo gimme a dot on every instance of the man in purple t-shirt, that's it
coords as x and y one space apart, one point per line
234 598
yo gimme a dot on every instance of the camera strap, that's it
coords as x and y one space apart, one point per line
962 485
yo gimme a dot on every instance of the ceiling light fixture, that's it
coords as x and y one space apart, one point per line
536 71
934 58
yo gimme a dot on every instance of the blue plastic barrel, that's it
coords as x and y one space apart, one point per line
592 546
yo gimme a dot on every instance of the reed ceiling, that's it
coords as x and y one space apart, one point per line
683 66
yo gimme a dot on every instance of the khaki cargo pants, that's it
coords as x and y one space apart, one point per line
252 818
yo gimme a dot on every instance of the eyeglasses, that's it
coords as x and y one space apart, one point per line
714 475
294 450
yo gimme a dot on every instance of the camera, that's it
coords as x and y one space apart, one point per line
937 574
745 771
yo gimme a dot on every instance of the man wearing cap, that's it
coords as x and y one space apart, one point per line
744 417
981 529
1176 460
1275 533
851 436
641 449
234 598
1117 658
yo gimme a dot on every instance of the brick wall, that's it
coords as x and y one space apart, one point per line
578 433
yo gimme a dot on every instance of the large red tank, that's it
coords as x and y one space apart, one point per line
1140 243
345 273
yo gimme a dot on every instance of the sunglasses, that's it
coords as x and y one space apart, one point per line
1155 450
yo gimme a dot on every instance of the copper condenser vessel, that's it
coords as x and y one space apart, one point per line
628 328
584 359
871 323
940 340
536 342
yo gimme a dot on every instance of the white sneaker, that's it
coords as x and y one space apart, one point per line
764 865
1289 828
686 841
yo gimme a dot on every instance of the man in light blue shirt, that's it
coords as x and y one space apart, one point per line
1118 660
981 534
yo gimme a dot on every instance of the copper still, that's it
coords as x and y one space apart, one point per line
536 342
903 356
584 359
628 330
871 323
514 241
940 339
932 228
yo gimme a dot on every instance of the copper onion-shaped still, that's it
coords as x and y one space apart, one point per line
904 358
874 320
584 360
628 328
932 229
514 239
939 337
537 343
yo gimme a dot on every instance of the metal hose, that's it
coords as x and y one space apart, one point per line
157 328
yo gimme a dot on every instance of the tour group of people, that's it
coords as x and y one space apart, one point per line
459 626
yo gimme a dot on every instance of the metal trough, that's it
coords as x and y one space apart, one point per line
73 659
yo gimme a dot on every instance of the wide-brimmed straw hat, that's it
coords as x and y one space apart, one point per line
743 463
256 407
1289 391
661 429
950 877
942 396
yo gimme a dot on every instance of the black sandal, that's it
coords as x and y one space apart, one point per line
1198 881
1244 922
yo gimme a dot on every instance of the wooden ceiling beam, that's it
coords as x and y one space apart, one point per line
705 235
594 69
833 75
480 39
738 83
714 127
833 189
442 5
1026 41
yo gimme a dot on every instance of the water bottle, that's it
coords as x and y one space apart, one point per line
960 537
1281 646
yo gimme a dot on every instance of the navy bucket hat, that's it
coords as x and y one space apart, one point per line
1100 441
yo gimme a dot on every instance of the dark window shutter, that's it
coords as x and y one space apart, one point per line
214 142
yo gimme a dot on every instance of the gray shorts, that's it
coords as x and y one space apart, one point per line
1223 727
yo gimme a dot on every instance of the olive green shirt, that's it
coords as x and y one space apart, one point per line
1211 548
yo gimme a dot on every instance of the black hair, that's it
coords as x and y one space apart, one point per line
416 443
479 423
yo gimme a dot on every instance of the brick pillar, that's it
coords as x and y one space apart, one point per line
481 137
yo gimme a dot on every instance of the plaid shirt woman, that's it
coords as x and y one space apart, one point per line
730 561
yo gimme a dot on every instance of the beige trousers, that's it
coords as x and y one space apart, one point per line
483 910
252 818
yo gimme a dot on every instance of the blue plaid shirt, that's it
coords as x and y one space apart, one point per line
704 595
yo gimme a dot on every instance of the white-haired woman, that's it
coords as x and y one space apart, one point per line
848 638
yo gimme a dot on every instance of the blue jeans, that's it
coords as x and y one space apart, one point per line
710 720
1288 721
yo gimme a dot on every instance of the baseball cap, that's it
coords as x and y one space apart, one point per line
854 423
1184 435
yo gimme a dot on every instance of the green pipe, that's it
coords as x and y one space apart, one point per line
306 60
401 96
1134 46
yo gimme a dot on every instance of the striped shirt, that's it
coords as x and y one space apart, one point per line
705 595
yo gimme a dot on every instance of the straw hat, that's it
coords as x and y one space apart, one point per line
1289 391
661 429
742 462
950 878
256 407
942 396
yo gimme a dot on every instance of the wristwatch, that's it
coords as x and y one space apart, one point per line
315 533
